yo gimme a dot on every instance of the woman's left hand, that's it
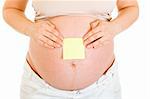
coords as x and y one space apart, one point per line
101 33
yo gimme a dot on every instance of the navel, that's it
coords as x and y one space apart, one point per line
73 65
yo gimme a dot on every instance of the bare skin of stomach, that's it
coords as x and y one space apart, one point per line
70 74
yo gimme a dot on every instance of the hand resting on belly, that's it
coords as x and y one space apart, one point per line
70 74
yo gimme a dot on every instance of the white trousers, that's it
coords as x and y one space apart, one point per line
106 87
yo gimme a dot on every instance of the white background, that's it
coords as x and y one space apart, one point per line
132 49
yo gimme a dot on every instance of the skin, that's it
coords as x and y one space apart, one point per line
45 49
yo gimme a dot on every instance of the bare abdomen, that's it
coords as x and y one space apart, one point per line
70 74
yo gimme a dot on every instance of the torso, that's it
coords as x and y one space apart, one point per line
70 74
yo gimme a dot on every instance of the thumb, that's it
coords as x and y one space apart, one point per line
95 23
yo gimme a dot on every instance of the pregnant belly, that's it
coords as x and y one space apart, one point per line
70 74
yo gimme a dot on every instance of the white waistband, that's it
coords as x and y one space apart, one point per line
101 82
101 16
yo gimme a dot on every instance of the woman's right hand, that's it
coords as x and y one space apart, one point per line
45 33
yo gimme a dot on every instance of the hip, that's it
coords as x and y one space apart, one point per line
70 74
74 74
106 87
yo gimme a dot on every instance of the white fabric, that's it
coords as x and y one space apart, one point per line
107 87
95 8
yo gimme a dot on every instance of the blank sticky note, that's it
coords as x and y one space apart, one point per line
73 48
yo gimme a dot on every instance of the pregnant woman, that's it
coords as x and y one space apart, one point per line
46 74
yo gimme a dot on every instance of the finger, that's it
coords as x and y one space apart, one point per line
90 46
53 29
49 28
50 42
55 32
47 45
105 38
42 43
90 33
53 37
93 38
59 34
95 23
102 41
51 24
95 44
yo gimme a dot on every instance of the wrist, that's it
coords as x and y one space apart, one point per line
29 29
117 28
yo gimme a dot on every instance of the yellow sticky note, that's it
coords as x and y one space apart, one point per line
73 48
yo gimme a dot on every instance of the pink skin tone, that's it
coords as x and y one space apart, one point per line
102 30
70 74
43 30
47 36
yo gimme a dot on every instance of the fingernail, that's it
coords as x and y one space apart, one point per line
88 46
58 45
52 47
